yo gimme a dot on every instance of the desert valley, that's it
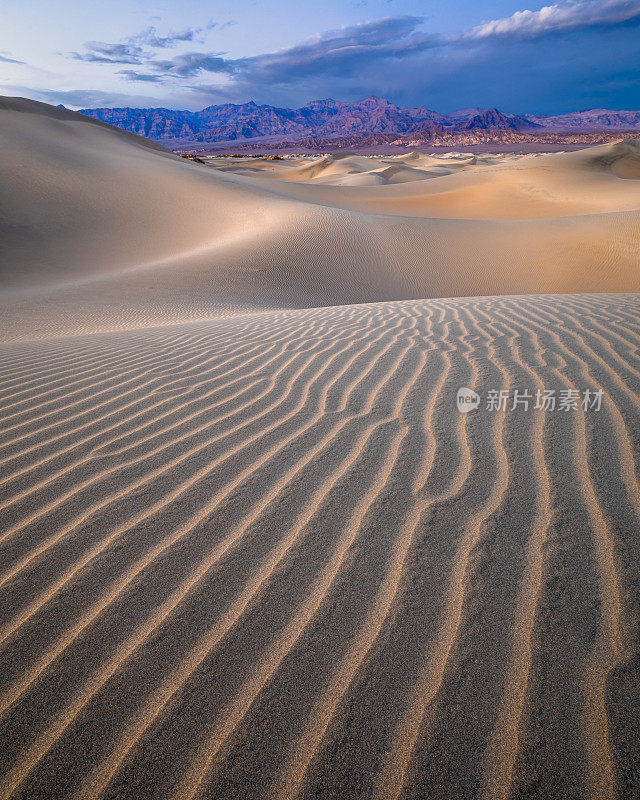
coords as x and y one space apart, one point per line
249 545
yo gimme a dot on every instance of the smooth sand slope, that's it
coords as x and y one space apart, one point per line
265 557
100 229
249 548
511 187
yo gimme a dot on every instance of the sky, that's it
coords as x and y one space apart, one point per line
443 54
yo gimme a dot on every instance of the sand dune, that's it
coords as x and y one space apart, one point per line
249 548
598 180
265 556
101 230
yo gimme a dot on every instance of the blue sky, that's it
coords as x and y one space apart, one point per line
569 55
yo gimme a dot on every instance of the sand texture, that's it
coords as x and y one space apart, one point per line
249 548
267 557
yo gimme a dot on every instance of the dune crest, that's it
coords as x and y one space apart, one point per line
101 229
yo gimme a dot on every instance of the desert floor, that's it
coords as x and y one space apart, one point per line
249 547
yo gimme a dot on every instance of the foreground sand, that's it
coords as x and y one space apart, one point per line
265 557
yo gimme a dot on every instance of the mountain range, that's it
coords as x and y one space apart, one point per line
331 118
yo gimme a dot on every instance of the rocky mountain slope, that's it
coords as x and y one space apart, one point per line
320 118
596 119
330 118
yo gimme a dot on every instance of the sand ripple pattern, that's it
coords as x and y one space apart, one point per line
266 557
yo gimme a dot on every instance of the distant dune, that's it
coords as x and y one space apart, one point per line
102 229
249 547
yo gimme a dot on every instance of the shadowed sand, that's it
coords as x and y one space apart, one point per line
257 553
101 229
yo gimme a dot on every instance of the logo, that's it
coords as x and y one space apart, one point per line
467 400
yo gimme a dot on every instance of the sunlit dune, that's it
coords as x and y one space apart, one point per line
598 180
102 229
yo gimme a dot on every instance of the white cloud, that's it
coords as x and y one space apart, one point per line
563 16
